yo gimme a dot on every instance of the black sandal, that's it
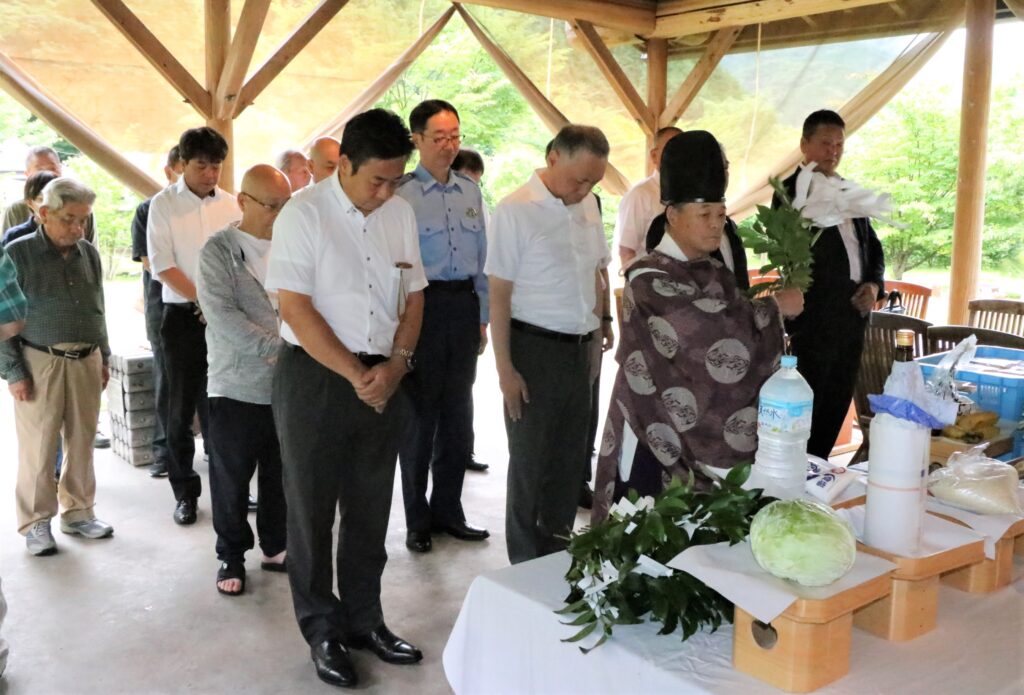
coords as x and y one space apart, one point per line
231 570
275 566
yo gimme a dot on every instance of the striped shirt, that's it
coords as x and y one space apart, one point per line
65 299
12 302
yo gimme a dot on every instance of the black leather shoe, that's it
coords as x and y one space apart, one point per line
387 646
418 541
158 469
185 512
333 665
463 531
586 497
476 466
100 441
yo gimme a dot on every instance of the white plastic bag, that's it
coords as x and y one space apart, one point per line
976 483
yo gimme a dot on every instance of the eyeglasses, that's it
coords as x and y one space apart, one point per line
266 206
442 140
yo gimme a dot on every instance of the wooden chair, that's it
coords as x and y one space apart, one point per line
915 298
943 338
757 279
1006 315
756 275
876 363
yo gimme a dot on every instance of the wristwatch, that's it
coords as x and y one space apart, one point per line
408 355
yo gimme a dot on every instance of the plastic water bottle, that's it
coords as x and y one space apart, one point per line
783 428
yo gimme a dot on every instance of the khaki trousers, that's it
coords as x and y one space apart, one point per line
65 397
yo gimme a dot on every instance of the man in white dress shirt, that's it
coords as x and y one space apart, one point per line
181 218
347 269
641 204
544 262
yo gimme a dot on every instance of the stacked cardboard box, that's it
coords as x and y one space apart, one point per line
132 401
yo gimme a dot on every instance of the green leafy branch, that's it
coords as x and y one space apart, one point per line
785 237
609 583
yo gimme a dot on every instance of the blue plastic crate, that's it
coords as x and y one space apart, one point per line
1000 394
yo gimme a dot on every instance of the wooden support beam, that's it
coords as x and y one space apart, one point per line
218 41
157 54
34 98
968 221
369 96
657 86
554 119
716 49
286 52
685 17
615 75
634 16
243 43
1016 7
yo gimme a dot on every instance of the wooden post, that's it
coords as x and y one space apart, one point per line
286 52
554 119
218 41
970 188
616 76
38 101
369 96
657 87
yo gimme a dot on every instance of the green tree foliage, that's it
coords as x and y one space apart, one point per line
115 202
910 150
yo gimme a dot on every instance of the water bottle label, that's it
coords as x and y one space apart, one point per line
782 417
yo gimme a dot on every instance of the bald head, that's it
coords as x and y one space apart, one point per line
263 193
661 139
323 158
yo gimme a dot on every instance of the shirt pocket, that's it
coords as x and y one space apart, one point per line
434 242
467 252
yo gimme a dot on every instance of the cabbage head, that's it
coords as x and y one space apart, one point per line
803 541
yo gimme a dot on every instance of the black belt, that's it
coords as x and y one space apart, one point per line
551 335
66 354
452 285
364 357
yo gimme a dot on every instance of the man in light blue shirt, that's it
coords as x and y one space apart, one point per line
450 218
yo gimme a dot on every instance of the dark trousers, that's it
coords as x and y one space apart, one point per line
830 369
244 441
438 435
337 453
547 445
154 319
595 419
184 337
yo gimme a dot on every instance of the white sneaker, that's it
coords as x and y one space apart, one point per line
39 540
90 528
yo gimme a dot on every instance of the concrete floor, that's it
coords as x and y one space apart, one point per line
139 613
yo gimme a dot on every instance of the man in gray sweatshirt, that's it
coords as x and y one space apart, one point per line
242 341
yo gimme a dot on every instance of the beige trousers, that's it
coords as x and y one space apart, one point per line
65 397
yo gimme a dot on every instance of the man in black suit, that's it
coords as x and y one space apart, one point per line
847 275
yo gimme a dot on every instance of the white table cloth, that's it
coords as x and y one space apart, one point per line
507 640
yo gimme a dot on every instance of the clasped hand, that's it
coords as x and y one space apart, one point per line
377 384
